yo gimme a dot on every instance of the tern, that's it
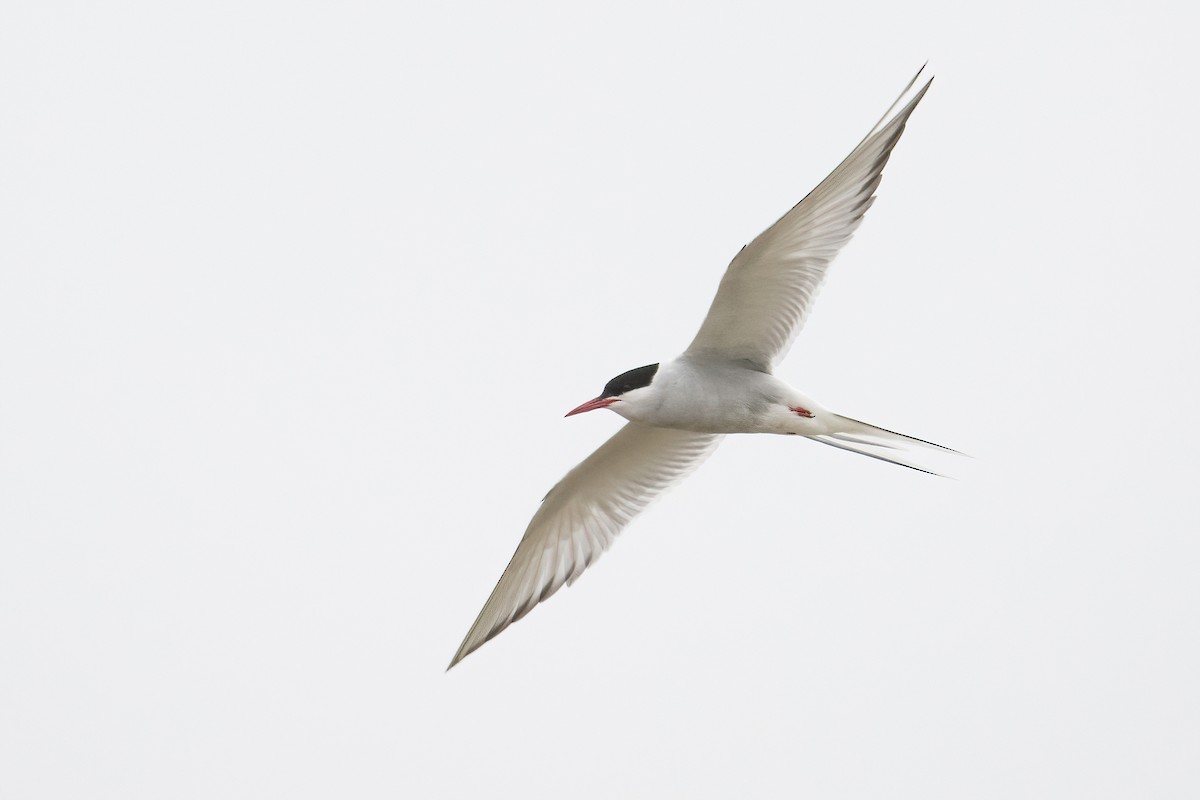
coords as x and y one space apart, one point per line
678 411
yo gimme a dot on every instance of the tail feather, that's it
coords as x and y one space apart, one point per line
880 443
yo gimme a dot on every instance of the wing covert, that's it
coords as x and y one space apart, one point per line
582 514
769 286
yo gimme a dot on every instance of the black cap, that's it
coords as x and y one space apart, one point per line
628 381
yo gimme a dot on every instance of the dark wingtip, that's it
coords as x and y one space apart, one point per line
459 656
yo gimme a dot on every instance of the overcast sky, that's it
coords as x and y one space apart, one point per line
293 298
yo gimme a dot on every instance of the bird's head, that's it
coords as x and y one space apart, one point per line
628 387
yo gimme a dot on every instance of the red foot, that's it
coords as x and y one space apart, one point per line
801 411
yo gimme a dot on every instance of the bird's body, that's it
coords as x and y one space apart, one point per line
723 383
709 394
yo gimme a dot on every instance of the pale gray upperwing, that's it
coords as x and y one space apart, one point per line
581 516
769 286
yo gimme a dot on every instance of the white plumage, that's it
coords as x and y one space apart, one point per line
722 383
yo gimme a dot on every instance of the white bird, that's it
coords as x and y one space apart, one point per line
679 410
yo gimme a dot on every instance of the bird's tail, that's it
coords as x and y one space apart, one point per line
895 448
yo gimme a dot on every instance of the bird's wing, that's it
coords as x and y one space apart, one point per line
581 516
769 286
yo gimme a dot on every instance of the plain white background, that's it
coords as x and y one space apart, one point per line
293 297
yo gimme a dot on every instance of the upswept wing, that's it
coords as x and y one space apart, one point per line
769 286
581 516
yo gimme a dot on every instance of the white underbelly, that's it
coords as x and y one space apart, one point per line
721 399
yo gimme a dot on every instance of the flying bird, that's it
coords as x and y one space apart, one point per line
679 410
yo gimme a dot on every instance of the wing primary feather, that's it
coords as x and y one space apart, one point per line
768 288
896 102
579 518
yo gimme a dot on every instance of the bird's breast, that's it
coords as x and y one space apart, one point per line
710 400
